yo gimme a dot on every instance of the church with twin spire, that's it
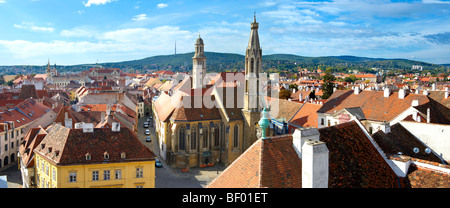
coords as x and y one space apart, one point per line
211 122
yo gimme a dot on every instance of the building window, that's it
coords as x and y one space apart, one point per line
95 175
182 139
106 175
118 174
54 174
329 122
139 172
139 186
205 138
193 139
236 136
322 121
106 155
72 177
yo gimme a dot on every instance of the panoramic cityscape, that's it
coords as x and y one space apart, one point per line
273 94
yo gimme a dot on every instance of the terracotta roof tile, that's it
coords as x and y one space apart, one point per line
70 146
373 103
353 162
306 116
401 140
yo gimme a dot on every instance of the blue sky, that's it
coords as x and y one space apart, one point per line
84 31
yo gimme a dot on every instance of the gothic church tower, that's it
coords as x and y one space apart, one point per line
252 96
198 64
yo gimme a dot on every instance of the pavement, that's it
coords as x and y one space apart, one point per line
13 176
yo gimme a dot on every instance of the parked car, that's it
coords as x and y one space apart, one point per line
147 132
146 124
158 163
148 139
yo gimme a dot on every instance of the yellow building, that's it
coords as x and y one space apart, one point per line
93 158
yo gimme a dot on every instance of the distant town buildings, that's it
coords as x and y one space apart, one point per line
80 130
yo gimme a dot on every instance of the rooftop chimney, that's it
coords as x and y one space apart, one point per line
428 115
446 95
425 92
385 127
387 92
115 127
433 87
301 135
356 90
415 103
102 117
401 94
315 164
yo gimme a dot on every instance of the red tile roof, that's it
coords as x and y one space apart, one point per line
306 116
64 146
31 140
373 103
24 113
273 163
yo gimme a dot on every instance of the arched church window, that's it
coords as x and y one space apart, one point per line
193 138
236 136
182 139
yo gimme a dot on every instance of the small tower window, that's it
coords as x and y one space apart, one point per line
106 156
88 156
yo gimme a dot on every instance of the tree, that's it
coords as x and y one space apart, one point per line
312 94
328 85
293 86
285 94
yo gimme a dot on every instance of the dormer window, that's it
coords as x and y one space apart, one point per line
88 156
123 155
106 156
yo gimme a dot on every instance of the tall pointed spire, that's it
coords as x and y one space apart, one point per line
253 100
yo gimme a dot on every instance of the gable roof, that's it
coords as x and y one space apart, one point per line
64 146
373 103
306 116
273 162
399 139
31 140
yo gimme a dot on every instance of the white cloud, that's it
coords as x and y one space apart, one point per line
2 1
97 2
32 27
140 17
80 32
162 5
125 44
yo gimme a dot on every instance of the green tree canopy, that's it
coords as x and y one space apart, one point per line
328 85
